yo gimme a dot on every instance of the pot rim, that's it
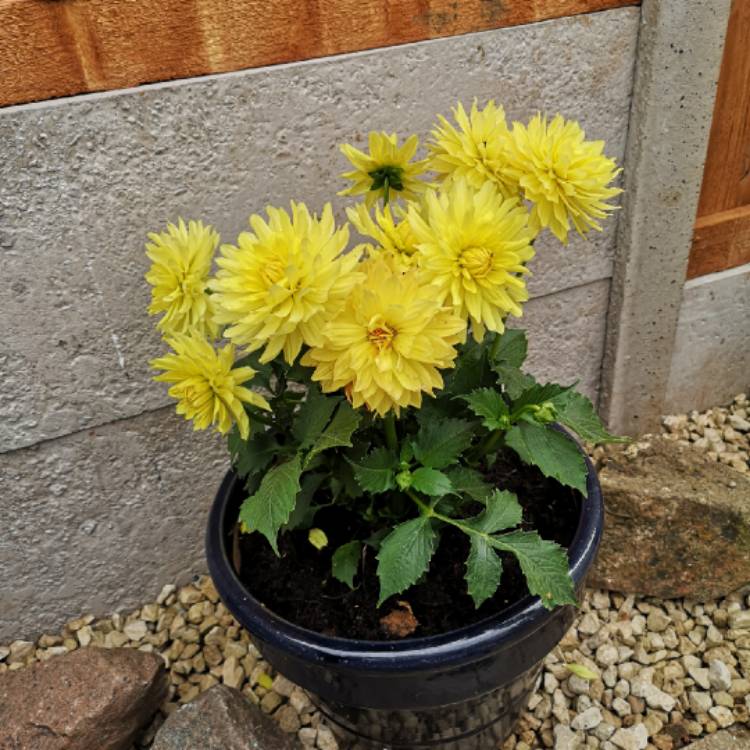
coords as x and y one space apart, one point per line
467 644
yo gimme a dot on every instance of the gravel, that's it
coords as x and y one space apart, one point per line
723 432
668 672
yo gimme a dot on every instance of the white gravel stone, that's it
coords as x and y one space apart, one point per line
606 655
590 718
740 620
653 696
700 702
722 715
567 739
719 675
326 740
633 738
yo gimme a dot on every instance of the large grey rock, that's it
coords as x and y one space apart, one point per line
735 738
221 719
90 698
677 524
83 179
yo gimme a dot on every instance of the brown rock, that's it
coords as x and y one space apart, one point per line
221 719
736 738
676 523
90 698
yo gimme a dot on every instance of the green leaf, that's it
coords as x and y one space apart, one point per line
483 570
345 562
440 441
375 472
538 394
338 433
512 348
431 482
304 511
502 512
490 405
469 482
254 454
405 555
575 411
471 370
269 508
582 671
553 452
313 416
543 563
513 380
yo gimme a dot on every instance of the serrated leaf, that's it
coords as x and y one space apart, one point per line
304 511
575 411
471 370
440 441
269 508
490 405
338 433
405 555
251 455
375 472
469 482
512 348
430 482
538 394
513 380
544 565
483 570
313 416
502 511
582 671
345 562
555 454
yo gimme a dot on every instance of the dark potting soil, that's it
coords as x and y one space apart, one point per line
299 587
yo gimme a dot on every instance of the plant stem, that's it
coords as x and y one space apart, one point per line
495 346
391 436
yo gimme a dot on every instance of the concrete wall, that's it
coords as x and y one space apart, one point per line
711 360
105 490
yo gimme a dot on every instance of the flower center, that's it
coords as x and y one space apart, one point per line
192 286
477 261
380 333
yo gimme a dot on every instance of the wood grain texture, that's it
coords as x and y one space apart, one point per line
720 241
51 48
721 238
726 179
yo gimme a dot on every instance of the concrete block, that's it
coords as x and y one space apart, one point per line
566 336
103 518
84 178
712 346
679 56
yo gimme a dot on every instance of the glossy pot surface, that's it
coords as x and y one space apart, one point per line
463 689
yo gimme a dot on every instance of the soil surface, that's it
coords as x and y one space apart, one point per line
299 587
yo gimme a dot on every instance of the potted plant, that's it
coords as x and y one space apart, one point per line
393 530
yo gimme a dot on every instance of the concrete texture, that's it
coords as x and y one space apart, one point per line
566 336
712 346
83 179
679 54
103 518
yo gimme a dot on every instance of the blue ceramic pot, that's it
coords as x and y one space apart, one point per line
461 690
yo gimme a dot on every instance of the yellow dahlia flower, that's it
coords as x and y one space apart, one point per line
386 171
564 176
476 150
384 348
394 238
208 389
473 246
283 281
180 263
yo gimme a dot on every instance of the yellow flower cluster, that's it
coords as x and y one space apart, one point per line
380 321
